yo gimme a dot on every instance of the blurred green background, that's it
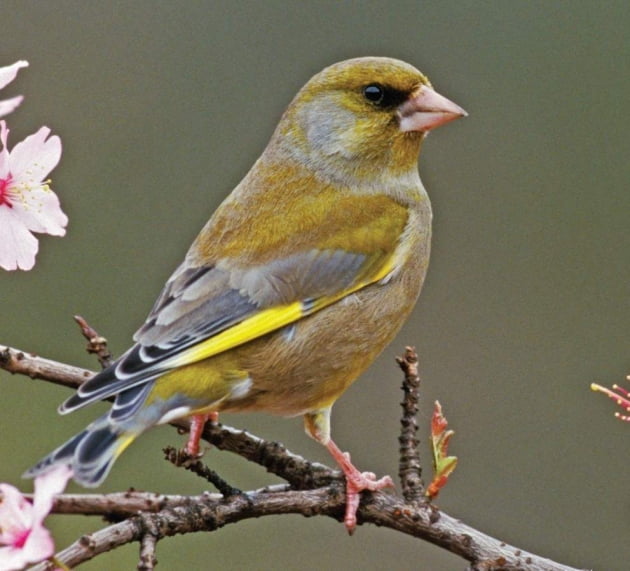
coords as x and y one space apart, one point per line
163 106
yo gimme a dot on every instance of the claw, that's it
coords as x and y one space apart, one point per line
356 482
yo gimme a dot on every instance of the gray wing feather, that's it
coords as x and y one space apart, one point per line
198 303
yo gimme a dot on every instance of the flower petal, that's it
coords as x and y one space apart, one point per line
18 246
33 158
8 72
38 546
11 558
22 533
15 514
9 105
47 486
39 210
4 152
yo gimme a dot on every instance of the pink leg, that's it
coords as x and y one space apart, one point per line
197 423
356 482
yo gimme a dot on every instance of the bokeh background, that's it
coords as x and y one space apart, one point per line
163 106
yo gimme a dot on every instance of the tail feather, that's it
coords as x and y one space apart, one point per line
90 454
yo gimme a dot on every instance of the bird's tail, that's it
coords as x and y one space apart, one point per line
90 454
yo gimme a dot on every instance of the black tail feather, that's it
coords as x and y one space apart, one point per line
90 454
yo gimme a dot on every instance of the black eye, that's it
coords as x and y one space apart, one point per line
384 97
374 93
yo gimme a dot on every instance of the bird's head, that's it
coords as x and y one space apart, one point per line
362 117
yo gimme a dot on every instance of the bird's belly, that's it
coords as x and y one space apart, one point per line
307 366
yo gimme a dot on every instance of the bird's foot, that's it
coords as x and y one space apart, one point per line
356 482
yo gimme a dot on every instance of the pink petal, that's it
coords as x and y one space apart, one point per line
17 245
4 153
9 105
8 73
47 486
4 134
15 514
22 522
39 210
39 545
19 518
33 158
11 558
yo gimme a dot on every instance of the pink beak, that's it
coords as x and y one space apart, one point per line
427 109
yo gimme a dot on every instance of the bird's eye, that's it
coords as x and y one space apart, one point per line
384 96
374 93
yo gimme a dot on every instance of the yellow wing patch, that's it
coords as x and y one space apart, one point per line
265 321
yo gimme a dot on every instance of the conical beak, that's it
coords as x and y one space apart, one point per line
426 109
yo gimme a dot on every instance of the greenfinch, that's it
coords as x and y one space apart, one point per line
296 283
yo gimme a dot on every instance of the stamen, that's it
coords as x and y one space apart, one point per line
621 397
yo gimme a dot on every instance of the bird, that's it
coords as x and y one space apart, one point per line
298 281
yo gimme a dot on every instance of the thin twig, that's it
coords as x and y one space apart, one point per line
410 468
29 364
181 458
97 344
148 544
301 474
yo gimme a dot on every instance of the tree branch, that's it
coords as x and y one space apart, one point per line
209 512
410 471
29 364
315 490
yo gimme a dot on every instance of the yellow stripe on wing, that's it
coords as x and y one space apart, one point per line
249 329
263 322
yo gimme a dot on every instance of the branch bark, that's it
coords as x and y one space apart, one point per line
208 512
410 471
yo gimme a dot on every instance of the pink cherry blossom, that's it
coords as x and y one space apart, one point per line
7 75
27 204
23 537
